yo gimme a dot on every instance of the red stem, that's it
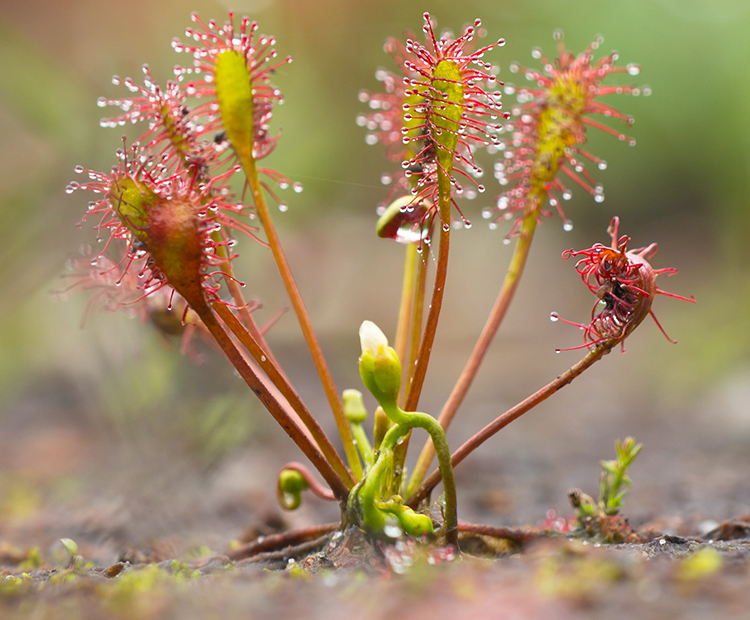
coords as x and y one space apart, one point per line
274 407
436 302
515 412
510 284
281 541
269 366
316 488
248 165
515 535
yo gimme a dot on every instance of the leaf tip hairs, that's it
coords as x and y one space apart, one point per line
232 69
434 116
547 131
172 228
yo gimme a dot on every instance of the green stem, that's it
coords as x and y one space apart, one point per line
367 495
363 443
248 165
416 332
411 256
510 284
417 316
409 323
413 419
274 407
269 366
594 355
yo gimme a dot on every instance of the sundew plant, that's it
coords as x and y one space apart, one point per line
179 203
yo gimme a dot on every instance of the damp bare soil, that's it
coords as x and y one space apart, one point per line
160 534
501 573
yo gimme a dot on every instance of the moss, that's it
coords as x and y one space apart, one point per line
701 564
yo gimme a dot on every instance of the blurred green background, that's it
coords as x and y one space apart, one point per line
72 399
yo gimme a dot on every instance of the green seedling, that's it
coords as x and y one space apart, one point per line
599 517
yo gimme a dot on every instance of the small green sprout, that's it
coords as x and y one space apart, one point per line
71 546
600 518
615 481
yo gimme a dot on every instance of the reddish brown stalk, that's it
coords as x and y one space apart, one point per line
316 488
274 407
399 452
269 366
281 541
506 418
510 284
515 535
247 318
267 384
236 292
436 303
248 165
